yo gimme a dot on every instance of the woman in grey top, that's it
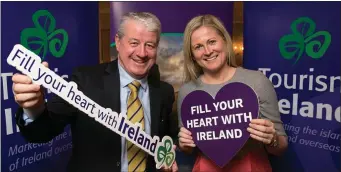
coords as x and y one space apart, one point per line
209 65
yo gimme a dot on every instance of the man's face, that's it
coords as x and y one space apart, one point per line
137 49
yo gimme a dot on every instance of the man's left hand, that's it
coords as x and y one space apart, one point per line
173 168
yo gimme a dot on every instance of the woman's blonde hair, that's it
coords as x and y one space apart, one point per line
192 69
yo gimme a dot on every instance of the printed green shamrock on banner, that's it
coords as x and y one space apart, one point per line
44 36
165 154
302 40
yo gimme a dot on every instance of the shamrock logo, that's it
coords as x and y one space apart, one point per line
165 153
294 45
44 36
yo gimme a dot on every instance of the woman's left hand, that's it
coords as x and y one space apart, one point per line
262 130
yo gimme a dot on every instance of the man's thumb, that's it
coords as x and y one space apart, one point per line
46 64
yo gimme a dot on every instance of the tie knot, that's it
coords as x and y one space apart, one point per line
134 86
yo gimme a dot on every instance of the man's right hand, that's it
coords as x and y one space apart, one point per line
27 94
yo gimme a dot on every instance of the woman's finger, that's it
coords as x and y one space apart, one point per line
262 128
259 134
186 141
261 139
184 135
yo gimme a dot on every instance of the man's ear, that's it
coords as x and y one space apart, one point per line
117 41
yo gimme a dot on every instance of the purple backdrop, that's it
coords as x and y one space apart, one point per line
173 15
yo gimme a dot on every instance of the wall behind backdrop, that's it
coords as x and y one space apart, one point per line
265 25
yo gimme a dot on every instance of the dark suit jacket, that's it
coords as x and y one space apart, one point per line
95 147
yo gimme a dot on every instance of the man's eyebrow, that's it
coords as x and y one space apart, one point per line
151 42
133 39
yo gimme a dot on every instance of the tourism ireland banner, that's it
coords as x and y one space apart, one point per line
297 46
65 34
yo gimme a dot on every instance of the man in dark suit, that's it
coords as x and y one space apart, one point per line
131 83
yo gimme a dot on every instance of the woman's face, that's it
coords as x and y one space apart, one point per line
208 49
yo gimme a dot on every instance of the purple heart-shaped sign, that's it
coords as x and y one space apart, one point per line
219 126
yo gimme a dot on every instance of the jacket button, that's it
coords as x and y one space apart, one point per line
118 164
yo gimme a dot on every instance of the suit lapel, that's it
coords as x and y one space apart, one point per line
155 109
155 100
112 87
111 99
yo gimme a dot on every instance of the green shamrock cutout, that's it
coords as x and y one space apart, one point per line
165 154
294 45
44 35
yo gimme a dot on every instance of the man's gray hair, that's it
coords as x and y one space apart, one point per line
151 22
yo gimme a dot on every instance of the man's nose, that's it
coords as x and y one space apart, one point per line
141 52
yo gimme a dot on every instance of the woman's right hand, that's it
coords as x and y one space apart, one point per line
186 142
